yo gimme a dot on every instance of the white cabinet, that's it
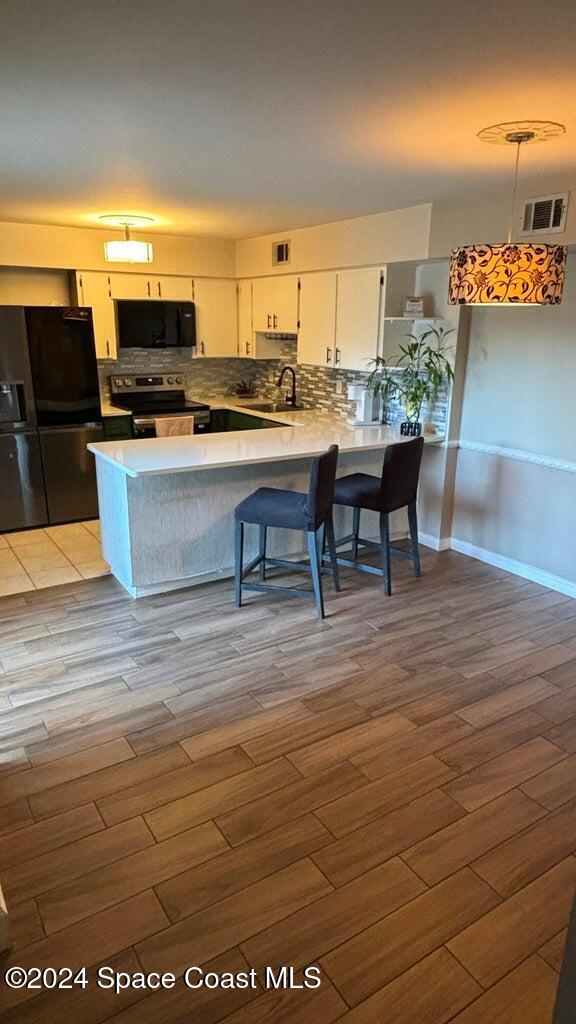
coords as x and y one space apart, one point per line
93 289
216 317
275 304
317 331
358 317
252 345
144 286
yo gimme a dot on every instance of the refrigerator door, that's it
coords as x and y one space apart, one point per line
63 364
22 504
69 472
16 395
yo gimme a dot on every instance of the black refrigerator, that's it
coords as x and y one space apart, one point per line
49 413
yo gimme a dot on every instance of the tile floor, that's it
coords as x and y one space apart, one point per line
33 559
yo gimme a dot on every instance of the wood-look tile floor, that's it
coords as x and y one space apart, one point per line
389 794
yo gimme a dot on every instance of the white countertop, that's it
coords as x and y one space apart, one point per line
304 433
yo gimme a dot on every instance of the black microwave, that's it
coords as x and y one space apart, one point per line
156 324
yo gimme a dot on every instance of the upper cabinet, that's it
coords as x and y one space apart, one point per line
93 289
340 314
216 317
144 286
245 330
358 318
317 332
275 304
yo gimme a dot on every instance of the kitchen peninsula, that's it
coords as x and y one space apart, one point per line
166 504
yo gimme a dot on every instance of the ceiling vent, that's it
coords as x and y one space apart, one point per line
545 214
280 253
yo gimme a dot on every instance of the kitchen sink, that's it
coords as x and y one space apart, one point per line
272 406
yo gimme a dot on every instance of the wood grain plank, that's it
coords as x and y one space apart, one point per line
221 797
473 750
376 799
350 856
358 738
506 702
526 995
555 786
493 778
41 837
316 727
461 842
91 893
200 886
307 1006
379 954
431 992
335 918
493 945
184 725
411 746
67 769
234 919
244 729
105 781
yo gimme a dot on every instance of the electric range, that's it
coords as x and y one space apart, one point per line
152 397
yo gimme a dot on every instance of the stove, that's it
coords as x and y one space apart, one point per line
149 398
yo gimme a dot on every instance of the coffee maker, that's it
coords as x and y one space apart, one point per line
368 406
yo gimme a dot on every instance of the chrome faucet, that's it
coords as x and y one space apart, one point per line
291 398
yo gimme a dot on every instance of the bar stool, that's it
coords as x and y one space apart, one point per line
396 488
291 510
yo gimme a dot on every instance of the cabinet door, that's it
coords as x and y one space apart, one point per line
172 289
285 309
94 290
245 336
317 331
131 286
357 318
216 317
263 303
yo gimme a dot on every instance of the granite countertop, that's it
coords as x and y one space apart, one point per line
303 433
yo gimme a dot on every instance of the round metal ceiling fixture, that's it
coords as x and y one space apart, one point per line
125 220
521 131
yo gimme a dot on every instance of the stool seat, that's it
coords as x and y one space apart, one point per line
271 506
359 490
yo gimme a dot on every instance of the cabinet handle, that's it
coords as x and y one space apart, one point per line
148 288
275 319
268 319
336 356
201 348
107 348
328 354
247 348
159 290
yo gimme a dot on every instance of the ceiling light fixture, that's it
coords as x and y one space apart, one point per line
127 250
510 273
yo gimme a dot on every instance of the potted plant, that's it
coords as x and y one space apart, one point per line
416 376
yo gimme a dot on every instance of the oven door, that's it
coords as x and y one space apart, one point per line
145 425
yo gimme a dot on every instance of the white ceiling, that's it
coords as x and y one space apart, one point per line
238 117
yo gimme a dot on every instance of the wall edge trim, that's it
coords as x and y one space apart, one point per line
528 572
516 454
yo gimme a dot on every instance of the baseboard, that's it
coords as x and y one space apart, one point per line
528 572
436 543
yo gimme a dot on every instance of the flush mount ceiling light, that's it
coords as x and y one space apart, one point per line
510 273
127 250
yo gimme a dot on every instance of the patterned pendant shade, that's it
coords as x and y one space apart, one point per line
508 274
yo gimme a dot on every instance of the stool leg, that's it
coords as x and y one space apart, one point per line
262 552
238 561
413 524
331 541
314 553
356 532
385 552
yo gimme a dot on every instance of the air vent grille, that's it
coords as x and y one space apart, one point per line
280 252
545 214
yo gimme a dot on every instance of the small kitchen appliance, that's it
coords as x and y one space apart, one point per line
368 406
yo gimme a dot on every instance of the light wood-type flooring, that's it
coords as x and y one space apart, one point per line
389 794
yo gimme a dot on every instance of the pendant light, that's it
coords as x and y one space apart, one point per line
510 273
127 250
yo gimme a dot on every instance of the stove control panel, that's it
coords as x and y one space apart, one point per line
118 385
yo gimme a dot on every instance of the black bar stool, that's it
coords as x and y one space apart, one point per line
396 488
291 510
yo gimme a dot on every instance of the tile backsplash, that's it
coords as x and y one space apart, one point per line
317 386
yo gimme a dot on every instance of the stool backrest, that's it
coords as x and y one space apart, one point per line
400 473
321 489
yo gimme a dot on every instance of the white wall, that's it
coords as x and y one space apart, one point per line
38 245
379 238
29 287
519 396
